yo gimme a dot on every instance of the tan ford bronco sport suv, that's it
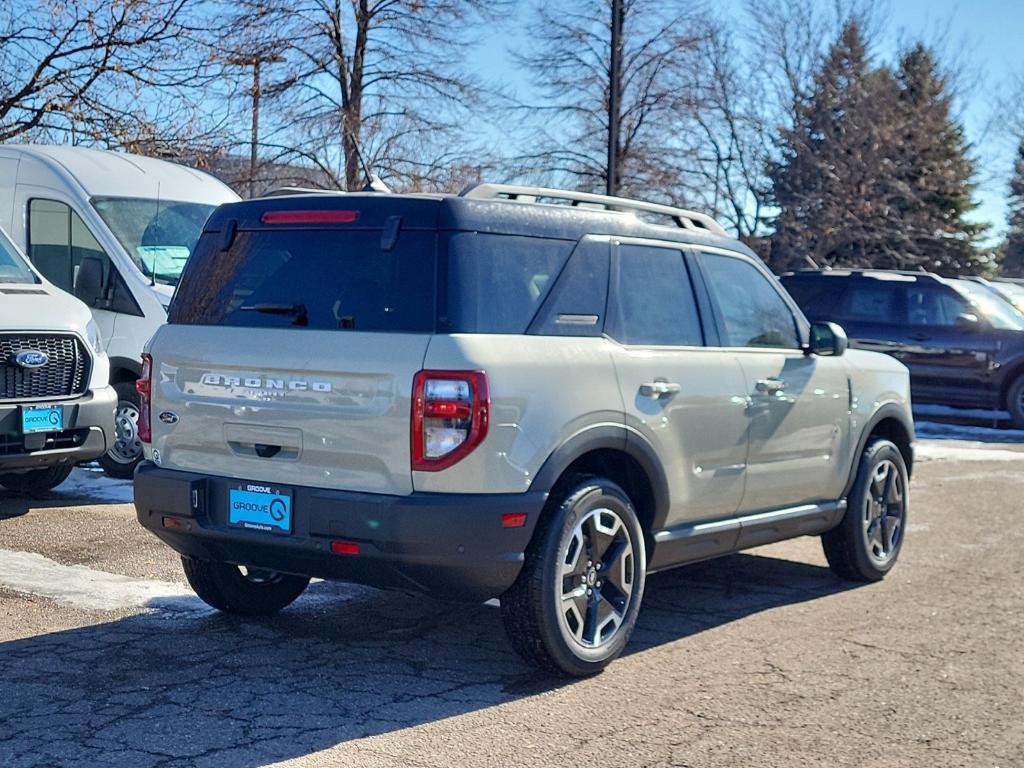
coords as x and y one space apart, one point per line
530 394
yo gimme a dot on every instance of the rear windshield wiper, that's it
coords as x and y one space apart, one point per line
298 311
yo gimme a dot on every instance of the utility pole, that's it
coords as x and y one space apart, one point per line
255 60
614 97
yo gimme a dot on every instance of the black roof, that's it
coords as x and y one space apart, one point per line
456 213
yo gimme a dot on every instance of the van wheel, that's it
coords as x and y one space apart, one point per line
125 453
36 481
575 603
865 545
1015 402
240 590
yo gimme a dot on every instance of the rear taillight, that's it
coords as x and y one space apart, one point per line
450 410
144 386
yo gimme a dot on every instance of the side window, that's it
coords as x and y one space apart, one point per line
872 302
934 307
751 309
58 240
820 298
654 301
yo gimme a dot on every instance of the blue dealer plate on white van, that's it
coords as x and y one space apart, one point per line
43 418
260 508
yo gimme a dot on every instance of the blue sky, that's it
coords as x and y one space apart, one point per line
985 38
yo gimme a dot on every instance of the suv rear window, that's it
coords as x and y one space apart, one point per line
330 279
318 279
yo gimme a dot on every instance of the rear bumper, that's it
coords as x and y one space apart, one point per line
88 428
451 546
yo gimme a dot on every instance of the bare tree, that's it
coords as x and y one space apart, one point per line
94 70
384 78
567 124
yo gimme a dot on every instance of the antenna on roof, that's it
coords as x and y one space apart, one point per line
374 183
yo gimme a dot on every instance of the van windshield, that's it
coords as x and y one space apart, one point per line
13 268
159 235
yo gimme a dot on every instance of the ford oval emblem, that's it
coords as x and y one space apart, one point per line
169 417
31 358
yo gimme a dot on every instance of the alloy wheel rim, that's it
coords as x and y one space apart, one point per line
883 512
596 579
127 447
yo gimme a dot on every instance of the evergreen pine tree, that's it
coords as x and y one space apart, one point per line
1013 253
831 182
931 181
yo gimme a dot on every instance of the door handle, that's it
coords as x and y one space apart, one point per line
659 388
920 336
770 386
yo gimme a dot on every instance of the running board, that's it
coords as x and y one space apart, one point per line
691 542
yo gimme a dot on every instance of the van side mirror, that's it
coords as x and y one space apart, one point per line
827 340
89 282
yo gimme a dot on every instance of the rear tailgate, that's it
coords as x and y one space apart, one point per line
292 343
314 408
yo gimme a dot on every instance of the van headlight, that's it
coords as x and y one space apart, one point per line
92 335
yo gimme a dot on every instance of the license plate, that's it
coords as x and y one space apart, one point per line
46 418
260 508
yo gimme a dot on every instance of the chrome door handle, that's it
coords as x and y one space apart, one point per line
659 388
770 386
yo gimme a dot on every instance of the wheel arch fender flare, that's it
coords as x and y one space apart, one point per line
615 437
892 412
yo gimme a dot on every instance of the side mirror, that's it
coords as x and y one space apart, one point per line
827 340
968 321
89 282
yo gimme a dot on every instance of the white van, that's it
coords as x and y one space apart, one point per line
115 230
56 406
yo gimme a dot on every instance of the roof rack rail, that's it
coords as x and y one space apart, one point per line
683 218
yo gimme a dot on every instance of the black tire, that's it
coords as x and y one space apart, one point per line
537 610
36 481
866 544
254 593
1015 402
125 451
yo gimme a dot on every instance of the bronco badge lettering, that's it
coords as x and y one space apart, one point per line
265 383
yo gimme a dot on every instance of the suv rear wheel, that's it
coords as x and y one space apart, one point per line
36 480
575 603
865 545
241 590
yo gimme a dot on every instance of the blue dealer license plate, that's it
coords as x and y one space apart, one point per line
260 508
46 418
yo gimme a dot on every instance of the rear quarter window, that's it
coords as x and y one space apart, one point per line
496 283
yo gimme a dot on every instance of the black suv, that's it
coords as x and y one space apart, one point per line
963 343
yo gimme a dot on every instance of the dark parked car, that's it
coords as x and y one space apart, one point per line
963 343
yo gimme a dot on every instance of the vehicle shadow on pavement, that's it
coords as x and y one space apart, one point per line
181 685
85 487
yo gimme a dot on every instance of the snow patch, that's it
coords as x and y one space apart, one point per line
89 482
932 450
82 587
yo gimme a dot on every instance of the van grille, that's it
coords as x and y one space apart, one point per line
64 375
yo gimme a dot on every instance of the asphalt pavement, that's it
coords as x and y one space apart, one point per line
759 659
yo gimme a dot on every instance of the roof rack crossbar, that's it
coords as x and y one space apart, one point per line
683 218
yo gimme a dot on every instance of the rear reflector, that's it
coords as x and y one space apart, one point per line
513 520
309 217
345 547
174 523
